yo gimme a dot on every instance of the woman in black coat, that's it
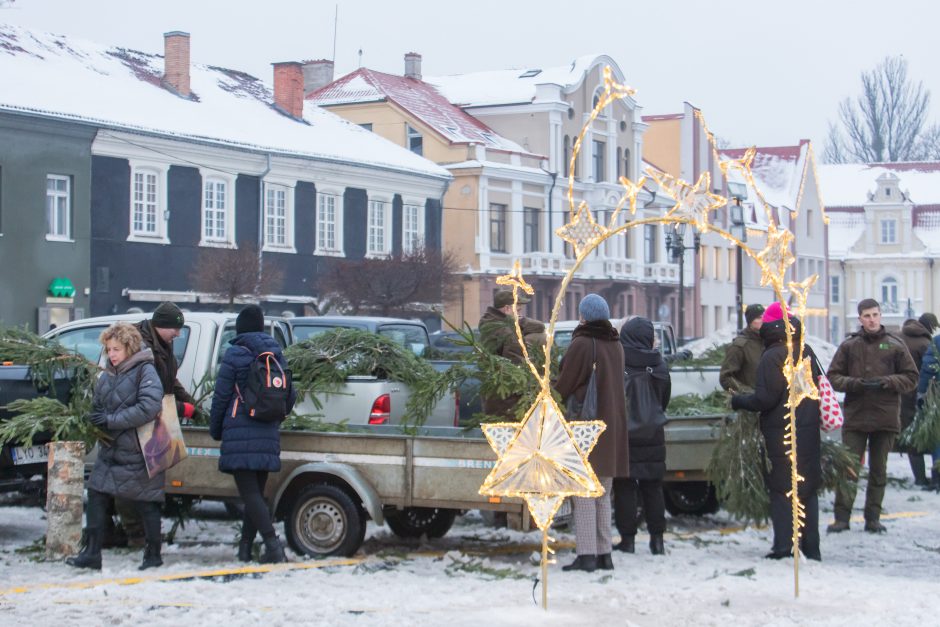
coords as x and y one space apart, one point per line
250 448
643 366
769 398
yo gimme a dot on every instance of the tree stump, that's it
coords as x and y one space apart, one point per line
66 483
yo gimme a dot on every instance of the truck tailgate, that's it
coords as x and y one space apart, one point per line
689 444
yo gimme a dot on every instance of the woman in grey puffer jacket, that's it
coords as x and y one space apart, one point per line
128 394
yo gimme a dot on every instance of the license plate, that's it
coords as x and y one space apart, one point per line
37 454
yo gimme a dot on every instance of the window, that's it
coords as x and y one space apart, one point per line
530 229
809 222
377 239
412 228
58 207
835 290
215 220
145 203
329 224
619 162
567 157
889 232
598 158
415 141
367 126
889 294
649 243
626 162
497 228
717 268
277 218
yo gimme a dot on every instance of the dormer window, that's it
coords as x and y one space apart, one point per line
530 73
415 141
889 231
887 191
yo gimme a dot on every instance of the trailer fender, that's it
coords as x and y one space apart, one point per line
349 475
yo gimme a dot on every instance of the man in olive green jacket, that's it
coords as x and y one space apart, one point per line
739 368
498 336
874 369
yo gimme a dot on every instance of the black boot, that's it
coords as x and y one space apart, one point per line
604 562
656 544
273 551
152 557
918 468
150 517
587 563
627 544
245 548
90 555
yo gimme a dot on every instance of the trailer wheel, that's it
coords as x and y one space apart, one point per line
692 497
325 521
414 522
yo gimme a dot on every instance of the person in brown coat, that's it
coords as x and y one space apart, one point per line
916 335
873 368
498 336
595 345
739 367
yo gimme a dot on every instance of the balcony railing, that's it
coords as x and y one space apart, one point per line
661 272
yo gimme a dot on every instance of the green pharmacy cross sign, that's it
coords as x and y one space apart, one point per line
61 287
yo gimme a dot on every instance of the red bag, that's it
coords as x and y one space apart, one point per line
830 413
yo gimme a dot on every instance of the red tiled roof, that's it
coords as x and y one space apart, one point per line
910 166
416 97
789 153
664 116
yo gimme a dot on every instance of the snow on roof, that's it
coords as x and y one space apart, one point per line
67 78
418 98
513 86
848 185
778 171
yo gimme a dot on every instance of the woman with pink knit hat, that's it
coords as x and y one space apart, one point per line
769 398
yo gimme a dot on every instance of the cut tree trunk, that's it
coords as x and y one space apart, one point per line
66 483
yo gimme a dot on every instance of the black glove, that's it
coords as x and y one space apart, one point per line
872 384
735 402
99 419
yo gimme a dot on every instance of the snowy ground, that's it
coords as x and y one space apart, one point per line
713 574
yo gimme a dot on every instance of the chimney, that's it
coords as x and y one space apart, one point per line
176 62
289 88
413 65
317 74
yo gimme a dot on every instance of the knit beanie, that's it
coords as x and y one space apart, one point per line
929 320
593 307
167 316
753 312
249 320
774 312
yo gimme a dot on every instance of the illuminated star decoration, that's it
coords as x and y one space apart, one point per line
742 165
515 280
630 192
582 232
776 257
543 459
692 202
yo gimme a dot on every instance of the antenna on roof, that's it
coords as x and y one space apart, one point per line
335 22
360 57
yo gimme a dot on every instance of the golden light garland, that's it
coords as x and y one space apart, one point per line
544 459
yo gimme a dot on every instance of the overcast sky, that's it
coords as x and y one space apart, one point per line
765 73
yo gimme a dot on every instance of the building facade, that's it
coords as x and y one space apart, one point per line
884 238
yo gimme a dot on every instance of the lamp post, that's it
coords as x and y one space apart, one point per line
675 244
738 191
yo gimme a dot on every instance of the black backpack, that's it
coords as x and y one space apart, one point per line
267 390
645 413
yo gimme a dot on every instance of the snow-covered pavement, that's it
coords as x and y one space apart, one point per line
713 574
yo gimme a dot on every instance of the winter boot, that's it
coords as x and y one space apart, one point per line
152 557
90 555
656 544
604 562
627 544
273 551
838 526
587 563
245 548
874 526
918 468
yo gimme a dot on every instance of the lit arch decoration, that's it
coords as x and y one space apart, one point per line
544 458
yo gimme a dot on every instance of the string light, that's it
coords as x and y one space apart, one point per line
544 459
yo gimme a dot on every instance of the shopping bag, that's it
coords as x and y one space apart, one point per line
161 440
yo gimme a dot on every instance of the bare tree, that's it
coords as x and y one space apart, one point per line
231 273
400 284
887 122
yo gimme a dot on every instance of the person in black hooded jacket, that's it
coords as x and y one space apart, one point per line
647 445
769 398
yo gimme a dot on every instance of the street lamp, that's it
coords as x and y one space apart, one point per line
738 191
675 244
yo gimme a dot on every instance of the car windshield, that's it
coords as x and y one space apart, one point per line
410 336
307 331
